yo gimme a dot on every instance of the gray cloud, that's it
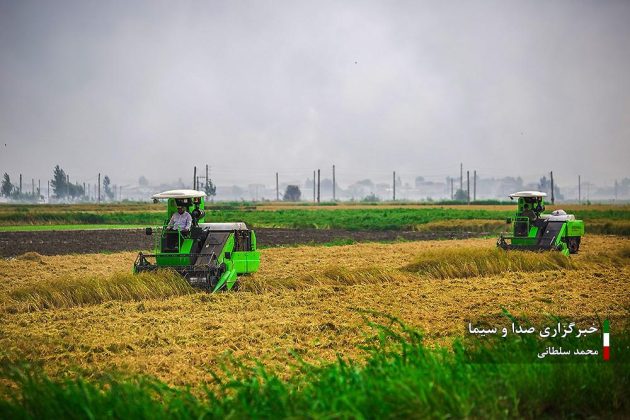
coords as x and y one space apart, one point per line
152 88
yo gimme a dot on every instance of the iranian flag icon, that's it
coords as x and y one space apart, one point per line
606 340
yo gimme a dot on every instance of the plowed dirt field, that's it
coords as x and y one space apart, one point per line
59 242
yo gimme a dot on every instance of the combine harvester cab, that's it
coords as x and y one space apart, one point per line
211 256
533 231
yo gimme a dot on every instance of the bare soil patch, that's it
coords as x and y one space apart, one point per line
117 240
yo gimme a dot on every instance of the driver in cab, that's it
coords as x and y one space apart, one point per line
182 220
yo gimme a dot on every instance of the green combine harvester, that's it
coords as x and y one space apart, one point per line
534 231
210 256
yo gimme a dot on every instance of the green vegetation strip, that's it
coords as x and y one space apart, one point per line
352 219
613 221
38 228
401 378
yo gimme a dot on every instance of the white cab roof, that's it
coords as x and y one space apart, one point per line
529 194
179 194
224 226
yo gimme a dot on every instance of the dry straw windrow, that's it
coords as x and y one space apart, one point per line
79 291
69 288
471 262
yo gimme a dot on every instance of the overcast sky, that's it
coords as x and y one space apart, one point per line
152 88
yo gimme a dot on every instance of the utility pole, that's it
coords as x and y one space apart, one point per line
313 186
195 178
394 186
39 188
99 188
197 187
553 199
207 178
318 185
33 187
84 192
461 176
452 196
335 182
475 185
468 186
277 188
20 184
579 189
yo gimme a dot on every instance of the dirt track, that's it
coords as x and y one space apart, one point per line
115 240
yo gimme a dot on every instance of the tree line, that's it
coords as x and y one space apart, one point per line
62 188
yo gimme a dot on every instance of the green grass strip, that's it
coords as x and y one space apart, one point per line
352 219
401 378
38 228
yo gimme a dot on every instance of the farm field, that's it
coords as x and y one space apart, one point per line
327 211
88 314
312 321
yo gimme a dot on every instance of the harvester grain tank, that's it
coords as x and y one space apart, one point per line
531 230
210 256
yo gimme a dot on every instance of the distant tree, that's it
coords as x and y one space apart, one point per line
210 189
59 182
107 188
76 190
326 184
366 183
545 186
460 195
142 181
292 193
7 187
372 198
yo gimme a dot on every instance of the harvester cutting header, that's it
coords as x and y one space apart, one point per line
532 230
208 255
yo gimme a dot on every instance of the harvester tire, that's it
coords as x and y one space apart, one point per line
573 244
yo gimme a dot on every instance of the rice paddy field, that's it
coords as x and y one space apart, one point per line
362 330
